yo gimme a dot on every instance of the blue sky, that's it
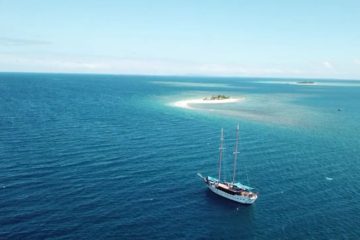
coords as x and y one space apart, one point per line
171 37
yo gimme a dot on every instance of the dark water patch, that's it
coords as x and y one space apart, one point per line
102 157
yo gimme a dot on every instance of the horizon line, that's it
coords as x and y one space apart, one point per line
179 75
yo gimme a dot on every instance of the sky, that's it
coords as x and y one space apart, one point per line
263 38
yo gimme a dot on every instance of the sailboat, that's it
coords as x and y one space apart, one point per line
233 190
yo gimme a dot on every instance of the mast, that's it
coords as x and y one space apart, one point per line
221 150
236 152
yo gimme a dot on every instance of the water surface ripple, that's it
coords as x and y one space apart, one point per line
106 157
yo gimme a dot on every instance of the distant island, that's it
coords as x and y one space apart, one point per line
306 83
217 97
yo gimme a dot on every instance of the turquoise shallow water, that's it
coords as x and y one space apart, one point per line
109 157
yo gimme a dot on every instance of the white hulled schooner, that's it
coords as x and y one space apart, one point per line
231 190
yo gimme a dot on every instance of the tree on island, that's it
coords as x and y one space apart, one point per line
306 82
217 97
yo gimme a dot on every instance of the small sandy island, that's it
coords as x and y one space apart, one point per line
308 83
187 103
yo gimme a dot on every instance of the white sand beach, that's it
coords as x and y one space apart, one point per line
305 83
187 103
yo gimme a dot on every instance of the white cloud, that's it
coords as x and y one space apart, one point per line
13 62
96 64
357 61
21 42
328 65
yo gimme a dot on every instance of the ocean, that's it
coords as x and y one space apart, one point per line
112 157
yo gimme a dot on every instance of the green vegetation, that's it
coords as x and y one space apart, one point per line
217 97
306 82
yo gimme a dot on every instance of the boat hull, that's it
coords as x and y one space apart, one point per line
236 198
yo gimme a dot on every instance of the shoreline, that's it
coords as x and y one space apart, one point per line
306 83
186 103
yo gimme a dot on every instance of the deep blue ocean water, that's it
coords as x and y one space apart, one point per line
110 157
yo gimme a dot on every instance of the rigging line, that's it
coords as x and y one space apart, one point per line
221 152
247 175
224 161
236 151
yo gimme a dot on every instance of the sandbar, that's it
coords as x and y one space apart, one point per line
187 103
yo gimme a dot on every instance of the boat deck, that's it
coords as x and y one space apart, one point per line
227 188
